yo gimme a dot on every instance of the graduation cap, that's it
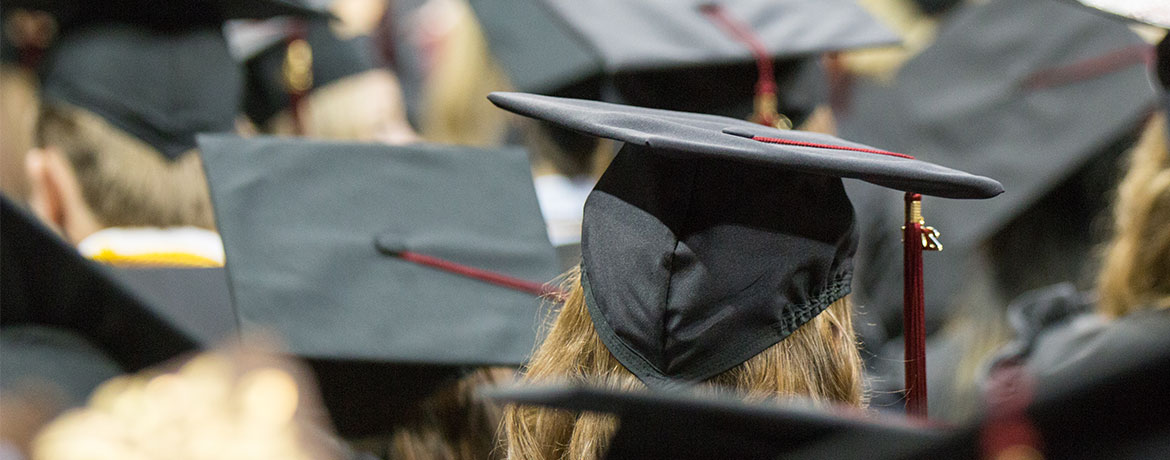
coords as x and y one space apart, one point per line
300 57
996 95
710 239
685 425
163 15
390 269
195 300
701 56
47 283
160 71
1106 402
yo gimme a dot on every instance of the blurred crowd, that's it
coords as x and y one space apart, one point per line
301 229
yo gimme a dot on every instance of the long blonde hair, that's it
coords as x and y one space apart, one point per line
820 360
1135 273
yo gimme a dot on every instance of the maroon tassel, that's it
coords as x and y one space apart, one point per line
914 312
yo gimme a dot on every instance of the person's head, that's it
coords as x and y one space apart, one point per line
115 139
716 253
819 360
367 106
303 78
1135 273
86 174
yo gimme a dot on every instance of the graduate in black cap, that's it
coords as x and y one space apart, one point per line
996 95
305 78
1060 327
125 88
402 274
715 252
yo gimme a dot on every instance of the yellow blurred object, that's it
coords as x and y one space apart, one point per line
215 407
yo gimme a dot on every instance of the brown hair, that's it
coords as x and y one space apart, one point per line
126 182
455 423
820 360
1135 273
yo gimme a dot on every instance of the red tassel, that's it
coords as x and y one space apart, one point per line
486 276
914 314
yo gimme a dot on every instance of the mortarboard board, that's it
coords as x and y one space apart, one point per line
387 268
684 425
710 239
996 95
697 56
158 71
194 300
269 87
47 283
163 15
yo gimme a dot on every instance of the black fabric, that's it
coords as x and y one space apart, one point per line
303 223
160 87
966 102
334 58
39 358
195 300
47 283
684 425
694 283
702 247
666 53
1108 400
169 15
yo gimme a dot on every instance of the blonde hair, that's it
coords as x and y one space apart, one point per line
1135 273
126 182
820 360
455 95
364 107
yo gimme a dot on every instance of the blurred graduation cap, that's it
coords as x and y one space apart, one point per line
1108 402
685 425
195 300
160 71
694 55
163 15
685 277
999 96
390 269
47 283
268 50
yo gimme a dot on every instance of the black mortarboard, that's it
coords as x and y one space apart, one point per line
1107 401
996 95
194 300
388 268
47 283
688 426
132 64
710 239
163 15
268 89
694 55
